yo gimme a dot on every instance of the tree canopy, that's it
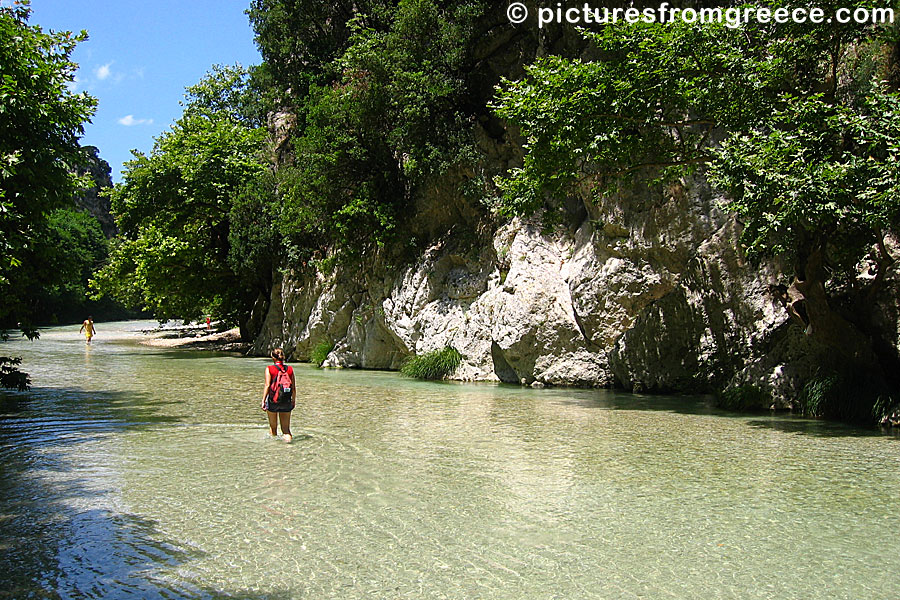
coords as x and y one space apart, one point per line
42 120
382 109
173 207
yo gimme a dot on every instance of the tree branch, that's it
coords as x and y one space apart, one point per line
626 171
672 124
885 261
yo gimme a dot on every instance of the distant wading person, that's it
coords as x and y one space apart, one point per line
88 328
279 395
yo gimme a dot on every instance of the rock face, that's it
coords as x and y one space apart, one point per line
648 293
91 201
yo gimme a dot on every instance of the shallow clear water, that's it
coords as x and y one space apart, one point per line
134 472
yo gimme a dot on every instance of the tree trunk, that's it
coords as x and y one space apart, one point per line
252 324
843 343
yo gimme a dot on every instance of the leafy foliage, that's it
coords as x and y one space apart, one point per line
744 398
651 102
174 209
654 100
232 92
845 396
382 110
299 39
76 248
321 352
41 120
436 364
818 175
10 376
254 244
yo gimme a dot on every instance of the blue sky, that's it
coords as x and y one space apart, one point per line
141 56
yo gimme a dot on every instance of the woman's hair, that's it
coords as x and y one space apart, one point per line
278 354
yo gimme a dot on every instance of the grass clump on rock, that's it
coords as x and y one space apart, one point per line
436 364
321 352
847 395
744 398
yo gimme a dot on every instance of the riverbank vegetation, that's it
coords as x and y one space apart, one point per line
42 120
179 210
48 248
434 365
320 352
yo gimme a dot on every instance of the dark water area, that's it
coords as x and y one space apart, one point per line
138 472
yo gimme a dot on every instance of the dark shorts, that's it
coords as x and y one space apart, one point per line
272 406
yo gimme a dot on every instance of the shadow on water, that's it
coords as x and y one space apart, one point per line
113 408
703 405
176 353
62 532
822 429
194 354
619 400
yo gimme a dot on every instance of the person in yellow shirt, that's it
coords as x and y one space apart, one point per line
88 328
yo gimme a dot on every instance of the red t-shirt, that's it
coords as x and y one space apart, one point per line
274 370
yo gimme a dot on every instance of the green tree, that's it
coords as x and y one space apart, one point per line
41 120
74 249
818 185
242 95
299 39
385 111
650 104
173 209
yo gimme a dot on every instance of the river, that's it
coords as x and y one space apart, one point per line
138 472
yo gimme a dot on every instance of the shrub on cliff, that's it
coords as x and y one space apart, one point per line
382 95
321 352
436 364
744 398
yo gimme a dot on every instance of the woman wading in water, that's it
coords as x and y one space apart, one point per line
279 395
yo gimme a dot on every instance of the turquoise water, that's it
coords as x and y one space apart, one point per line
138 472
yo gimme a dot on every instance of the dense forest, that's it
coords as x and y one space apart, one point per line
318 157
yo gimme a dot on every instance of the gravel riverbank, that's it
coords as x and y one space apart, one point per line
195 337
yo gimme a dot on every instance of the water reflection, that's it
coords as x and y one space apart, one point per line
136 472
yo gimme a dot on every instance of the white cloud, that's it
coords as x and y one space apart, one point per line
129 120
103 72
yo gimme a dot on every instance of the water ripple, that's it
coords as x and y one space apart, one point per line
135 473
